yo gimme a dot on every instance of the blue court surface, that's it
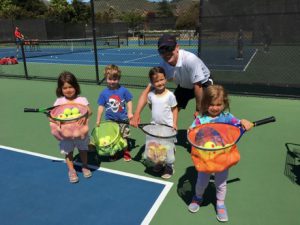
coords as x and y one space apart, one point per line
215 58
35 190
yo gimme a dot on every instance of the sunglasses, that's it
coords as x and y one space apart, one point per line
166 49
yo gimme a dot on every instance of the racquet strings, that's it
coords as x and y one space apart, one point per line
58 113
214 136
158 130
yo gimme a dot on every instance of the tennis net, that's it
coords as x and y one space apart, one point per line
39 48
184 39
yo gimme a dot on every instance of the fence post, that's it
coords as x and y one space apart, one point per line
200 27
95 41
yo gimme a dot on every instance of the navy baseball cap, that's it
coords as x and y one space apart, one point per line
166 40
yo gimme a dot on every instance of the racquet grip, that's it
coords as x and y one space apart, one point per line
264 121
31 110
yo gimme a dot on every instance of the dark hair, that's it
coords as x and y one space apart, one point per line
156 70
67 77
210 94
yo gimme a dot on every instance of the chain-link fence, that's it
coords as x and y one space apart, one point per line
255 52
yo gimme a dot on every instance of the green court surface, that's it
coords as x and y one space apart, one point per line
260 189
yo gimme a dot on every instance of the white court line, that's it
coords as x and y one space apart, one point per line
155 206
55 61
149 56
256 50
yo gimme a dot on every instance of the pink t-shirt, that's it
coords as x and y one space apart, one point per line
63 100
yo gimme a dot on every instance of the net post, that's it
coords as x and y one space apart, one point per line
24 59
94 40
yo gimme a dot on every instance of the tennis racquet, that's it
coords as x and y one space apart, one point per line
155 130
63 113
218 136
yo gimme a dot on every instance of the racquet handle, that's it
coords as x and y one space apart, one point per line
264 121
31 110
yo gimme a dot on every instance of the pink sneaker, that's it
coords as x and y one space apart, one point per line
86 172
73 178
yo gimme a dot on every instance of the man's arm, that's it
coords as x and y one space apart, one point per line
140 105
198 90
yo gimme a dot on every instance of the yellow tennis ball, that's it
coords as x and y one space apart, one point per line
75 111
162 148
107 138
101 141
209 144
67 111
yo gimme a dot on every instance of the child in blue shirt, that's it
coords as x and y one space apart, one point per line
116 101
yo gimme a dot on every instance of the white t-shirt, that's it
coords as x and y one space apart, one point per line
162 107
188 70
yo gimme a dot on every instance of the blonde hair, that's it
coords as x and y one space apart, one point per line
212 93
112 71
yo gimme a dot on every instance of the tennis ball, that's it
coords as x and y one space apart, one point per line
101 141
209 144
75 111
71 116
61 116
107 138
162 148
67 112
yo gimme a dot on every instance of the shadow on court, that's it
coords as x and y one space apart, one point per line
182 140
95 159
148 165
292 162
186 187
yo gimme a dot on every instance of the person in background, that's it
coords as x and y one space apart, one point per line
19 37
240 45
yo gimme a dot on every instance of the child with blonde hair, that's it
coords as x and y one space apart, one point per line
116 102
214 108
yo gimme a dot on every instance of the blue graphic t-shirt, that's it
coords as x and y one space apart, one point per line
114 102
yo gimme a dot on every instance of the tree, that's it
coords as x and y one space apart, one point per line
11 11
60 11
108 15
134 20
189 18
165 9
82 11
34 7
